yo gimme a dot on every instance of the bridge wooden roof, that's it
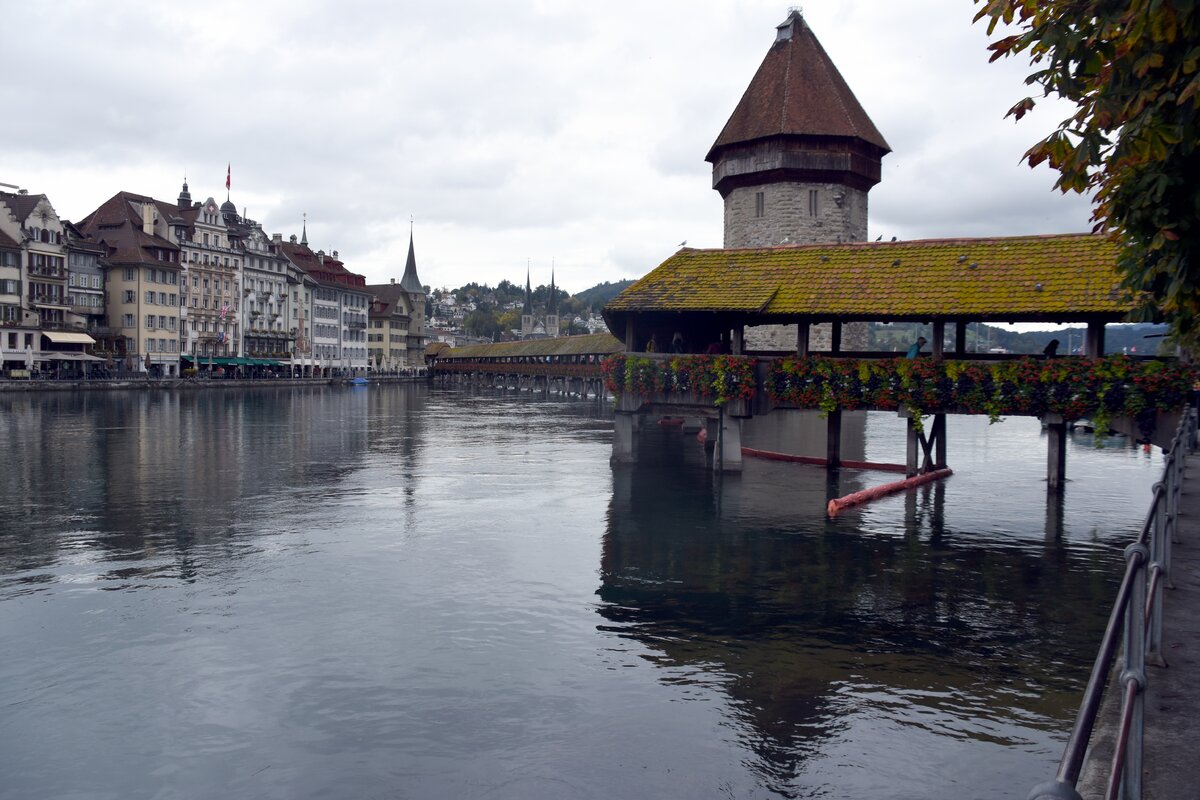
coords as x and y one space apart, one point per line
591 344
1024 278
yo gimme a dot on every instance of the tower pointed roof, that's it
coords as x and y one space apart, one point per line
527 310
797 91
552 305
410 282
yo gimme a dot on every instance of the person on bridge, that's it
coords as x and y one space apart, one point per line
677 344
1051 349
914 349
652 345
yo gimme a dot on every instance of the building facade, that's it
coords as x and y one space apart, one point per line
340 304
142 268
397 334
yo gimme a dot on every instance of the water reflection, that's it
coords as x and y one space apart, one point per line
925 641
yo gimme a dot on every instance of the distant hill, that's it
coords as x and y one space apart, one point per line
600 294
1138 338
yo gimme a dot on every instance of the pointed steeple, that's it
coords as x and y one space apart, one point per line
185 197
552 304
799 102
528 309
304 230
410 282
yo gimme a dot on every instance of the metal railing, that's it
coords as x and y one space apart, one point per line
1136 615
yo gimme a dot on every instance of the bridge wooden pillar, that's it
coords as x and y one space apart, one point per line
924 453
1056 452
835 337
802 331
1093 345
939 339
833 439
960 338
739 339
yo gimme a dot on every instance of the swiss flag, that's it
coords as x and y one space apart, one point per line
228 174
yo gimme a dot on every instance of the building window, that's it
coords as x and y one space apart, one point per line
127 321
128 296
760 204
813 206
130 274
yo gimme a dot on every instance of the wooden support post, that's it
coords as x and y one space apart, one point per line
833 440
630 336
802 331
739 335
913 440
1056 453
939 339
939 441
1094 343
835 337
960 338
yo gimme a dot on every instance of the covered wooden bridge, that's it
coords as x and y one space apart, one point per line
707 299
566 364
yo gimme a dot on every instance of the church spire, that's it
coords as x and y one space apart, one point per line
410 282
304 230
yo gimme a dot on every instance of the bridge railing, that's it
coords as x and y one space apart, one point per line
1137 618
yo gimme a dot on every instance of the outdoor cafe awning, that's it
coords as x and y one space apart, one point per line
66 337
50 355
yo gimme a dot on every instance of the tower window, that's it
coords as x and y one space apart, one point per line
813 206
760 204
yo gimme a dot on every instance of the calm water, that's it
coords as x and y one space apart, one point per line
399 592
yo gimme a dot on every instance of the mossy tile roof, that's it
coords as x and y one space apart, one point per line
591 344
1025 277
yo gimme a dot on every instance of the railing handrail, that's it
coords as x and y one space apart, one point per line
1136 614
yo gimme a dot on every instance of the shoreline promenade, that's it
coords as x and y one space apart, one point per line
1172 722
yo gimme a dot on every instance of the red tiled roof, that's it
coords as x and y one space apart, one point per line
797 91
118 224
324 269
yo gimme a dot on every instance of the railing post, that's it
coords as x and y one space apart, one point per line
1160 542
1133 678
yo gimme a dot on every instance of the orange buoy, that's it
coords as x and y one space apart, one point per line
863 496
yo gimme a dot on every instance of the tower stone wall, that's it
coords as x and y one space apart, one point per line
773 214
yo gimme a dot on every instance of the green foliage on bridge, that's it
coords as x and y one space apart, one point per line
1116 386
720 378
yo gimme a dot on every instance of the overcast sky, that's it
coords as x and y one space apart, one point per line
522 132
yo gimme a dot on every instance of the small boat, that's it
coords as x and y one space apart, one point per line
360 381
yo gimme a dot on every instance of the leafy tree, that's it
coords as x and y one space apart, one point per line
1130 67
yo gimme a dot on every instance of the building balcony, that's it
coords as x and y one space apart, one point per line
58 273
48 300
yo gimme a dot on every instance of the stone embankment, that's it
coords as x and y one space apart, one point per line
187 384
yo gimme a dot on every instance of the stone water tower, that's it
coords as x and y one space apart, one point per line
795 162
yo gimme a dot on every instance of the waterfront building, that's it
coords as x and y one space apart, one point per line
142 267
397 335
18 324
794 164
85 288
31 222
340 303
211 261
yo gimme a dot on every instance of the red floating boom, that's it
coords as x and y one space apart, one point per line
854 499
